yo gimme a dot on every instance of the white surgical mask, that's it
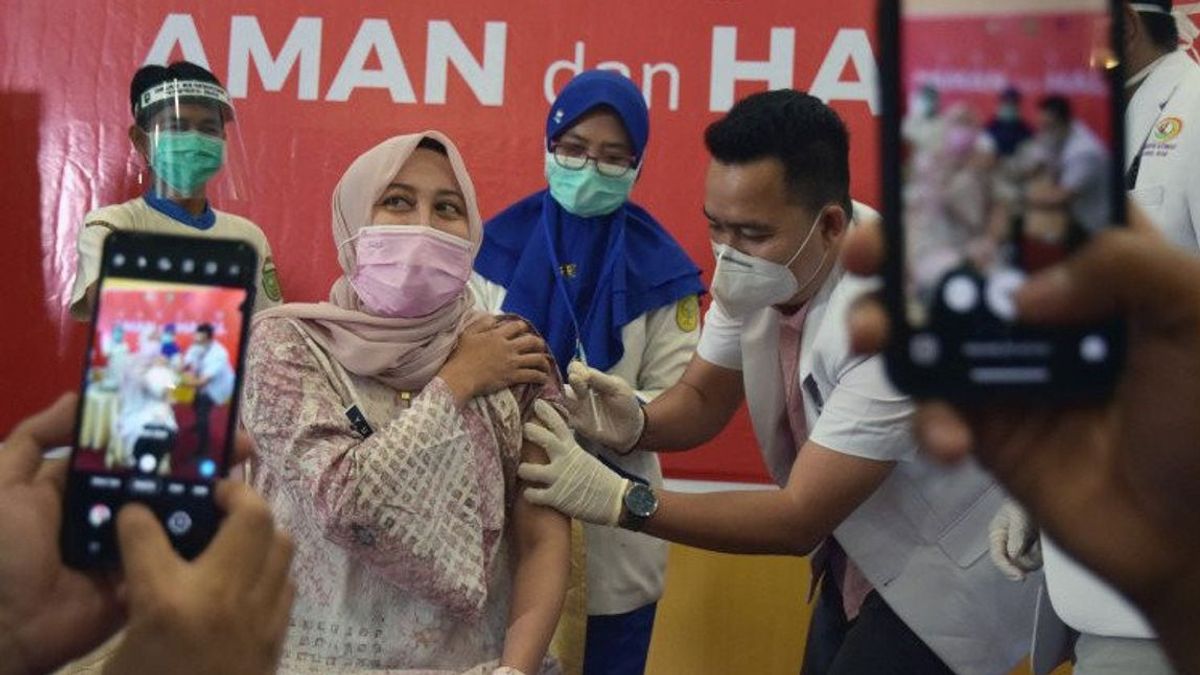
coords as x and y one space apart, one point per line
743 283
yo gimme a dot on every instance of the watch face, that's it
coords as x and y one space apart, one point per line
641 501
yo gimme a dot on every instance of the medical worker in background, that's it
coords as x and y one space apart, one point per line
606 285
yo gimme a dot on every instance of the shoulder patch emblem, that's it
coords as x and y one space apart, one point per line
270 281
687 313
1168 129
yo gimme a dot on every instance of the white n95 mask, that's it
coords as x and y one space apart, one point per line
743 283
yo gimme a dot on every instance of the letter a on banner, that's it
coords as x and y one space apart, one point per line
374 35
177 29
850 46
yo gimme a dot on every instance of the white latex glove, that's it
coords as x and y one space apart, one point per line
615 418
577 483
1015 548
507 670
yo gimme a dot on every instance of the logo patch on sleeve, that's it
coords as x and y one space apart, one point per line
687 313
1168 129
270 281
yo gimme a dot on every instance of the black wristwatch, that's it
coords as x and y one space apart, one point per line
639 504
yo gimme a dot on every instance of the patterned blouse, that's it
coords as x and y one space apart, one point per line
402 561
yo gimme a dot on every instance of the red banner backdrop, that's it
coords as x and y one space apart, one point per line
316 83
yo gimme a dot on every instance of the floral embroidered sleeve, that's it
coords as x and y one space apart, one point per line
407 500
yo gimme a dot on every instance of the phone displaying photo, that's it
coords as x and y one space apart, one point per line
161 380
1002 139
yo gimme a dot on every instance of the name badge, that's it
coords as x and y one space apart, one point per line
359 421
814 393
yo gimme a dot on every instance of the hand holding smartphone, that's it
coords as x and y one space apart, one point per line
1002 142
161 378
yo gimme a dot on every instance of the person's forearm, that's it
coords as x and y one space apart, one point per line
1177 622
12 658
682 418
543 566
764 522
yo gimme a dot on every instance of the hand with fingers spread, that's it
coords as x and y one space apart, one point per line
494 354
1116 482
225 612
575 482
49 613
603 408
1013 542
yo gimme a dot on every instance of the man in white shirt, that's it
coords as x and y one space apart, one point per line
902 541
1078 162
182 117
208 368
1080 616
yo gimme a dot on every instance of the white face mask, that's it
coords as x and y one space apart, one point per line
743 283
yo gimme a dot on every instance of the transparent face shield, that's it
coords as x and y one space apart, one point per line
190 143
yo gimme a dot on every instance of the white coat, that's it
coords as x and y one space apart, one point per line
1162 123
922 538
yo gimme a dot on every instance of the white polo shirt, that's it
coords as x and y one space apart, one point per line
136 215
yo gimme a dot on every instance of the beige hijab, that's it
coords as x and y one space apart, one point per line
403 353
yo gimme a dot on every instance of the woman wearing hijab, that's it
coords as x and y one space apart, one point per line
388 425
606 285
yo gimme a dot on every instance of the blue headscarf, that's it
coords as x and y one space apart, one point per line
625 262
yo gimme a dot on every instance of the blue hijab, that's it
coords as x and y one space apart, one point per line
619 266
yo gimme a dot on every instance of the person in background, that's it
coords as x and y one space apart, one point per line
606 284
182 118
225 612
170 347
1077 160
208 368
923 124
388 422
1008 129
1080 616
1114 482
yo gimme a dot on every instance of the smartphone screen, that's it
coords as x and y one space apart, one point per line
1002 158
160 383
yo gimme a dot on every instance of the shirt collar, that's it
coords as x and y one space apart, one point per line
170 209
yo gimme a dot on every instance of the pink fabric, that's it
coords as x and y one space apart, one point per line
851 581
404 353
409 271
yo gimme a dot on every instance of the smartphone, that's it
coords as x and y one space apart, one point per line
1002 148
161 380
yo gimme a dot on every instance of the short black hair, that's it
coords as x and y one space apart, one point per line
205 328
433 144
1163 30
151 76
799 130
1011 94
1059 106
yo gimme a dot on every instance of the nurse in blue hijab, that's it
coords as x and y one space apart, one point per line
606 284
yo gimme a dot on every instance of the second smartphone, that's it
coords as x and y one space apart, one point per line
1003 143
161 380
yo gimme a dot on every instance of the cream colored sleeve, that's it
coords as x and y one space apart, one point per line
87 267
270 291
672 334
488 296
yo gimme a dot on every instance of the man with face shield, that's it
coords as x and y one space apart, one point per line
183 131
608 286
898 542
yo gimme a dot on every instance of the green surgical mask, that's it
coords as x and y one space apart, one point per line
186 160
586 192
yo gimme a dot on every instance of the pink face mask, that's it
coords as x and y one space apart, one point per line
408 271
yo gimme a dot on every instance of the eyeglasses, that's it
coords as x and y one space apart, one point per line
574 157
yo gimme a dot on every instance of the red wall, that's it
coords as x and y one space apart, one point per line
65 69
